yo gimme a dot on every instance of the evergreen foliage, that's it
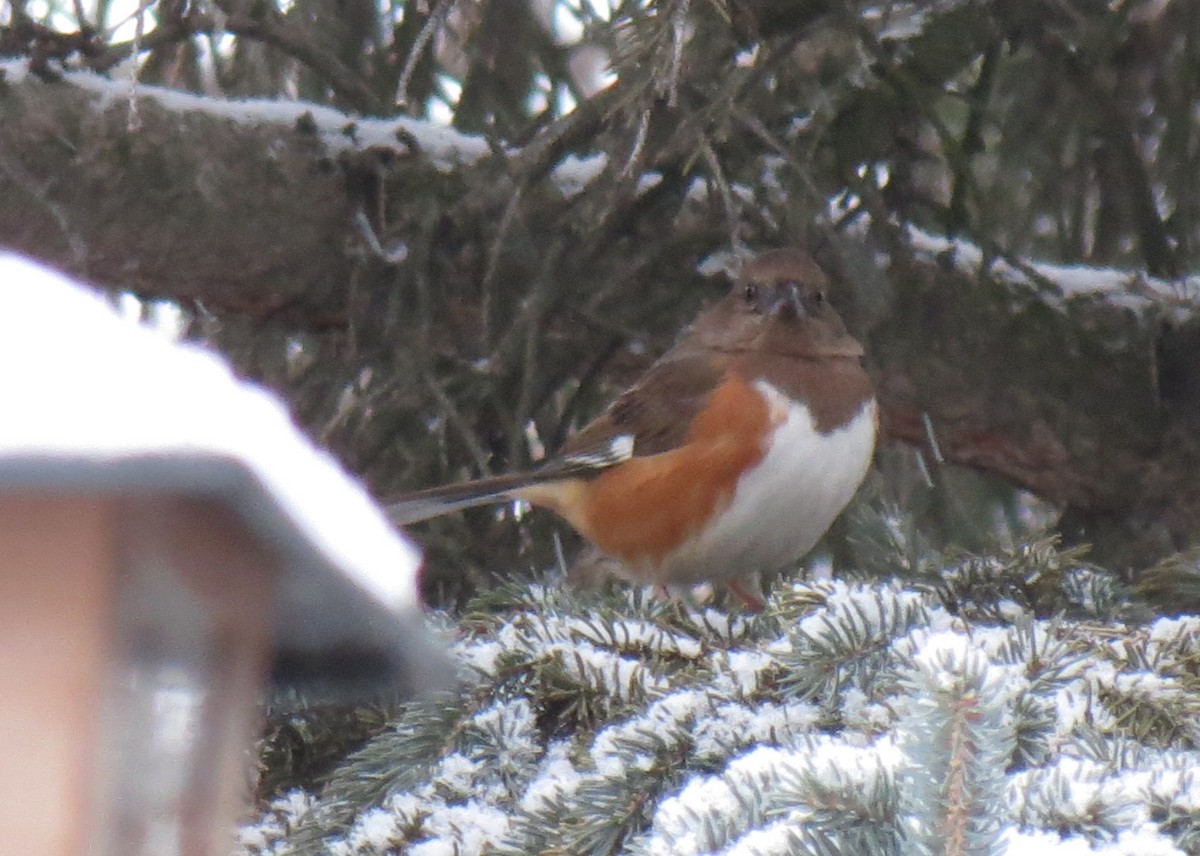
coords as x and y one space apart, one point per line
989 703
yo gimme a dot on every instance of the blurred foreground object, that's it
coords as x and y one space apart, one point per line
168 542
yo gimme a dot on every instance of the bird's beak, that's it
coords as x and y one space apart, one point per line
787 302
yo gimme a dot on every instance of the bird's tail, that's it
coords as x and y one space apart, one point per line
424 504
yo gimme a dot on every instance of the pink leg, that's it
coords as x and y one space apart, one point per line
748 595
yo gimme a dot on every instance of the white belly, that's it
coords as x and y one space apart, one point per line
783 505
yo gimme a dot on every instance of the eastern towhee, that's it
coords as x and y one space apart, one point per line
730 457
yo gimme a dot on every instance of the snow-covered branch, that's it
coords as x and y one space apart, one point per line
971 737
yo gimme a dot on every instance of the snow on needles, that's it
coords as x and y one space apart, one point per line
677 740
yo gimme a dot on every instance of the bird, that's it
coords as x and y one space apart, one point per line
730 457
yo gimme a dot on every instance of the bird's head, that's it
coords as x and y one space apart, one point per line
778 304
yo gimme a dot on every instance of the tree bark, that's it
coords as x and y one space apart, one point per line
165 202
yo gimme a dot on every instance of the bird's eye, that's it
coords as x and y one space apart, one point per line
750 292
818 297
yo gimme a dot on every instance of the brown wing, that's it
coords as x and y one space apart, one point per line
650 418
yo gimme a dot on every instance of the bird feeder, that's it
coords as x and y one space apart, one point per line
169 544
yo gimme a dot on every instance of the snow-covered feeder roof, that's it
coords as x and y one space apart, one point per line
93 402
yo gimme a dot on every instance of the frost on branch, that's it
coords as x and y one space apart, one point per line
956 734
1032 714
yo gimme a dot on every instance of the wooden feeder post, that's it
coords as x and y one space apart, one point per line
153 612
